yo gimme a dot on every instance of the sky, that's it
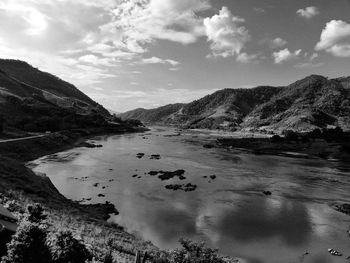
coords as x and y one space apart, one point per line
127 54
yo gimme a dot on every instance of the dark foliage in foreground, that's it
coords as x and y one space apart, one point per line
65 248
33 242
195 253
28 245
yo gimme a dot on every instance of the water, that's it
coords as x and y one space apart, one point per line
229 212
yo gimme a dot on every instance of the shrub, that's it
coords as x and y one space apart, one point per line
276 138
290 135
35 213
133 122
66 249
315 134
28 245
335 134
195 253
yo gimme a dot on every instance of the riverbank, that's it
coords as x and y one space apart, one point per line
284 199
20 186
297 149
331 144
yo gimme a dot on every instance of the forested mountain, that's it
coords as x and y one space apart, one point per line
161 114
33 100
312 102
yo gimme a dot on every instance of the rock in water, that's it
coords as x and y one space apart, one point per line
334 252
343 208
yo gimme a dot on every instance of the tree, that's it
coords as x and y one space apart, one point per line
66 249
276 138
35 213
195 253
290 135
134 122
315 134
28 245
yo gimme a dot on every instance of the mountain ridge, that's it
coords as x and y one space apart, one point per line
312 102
34 100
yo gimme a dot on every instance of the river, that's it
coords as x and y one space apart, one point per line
230 212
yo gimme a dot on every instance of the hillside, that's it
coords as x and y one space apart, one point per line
33 100
27 75
312 102
222 109
158 115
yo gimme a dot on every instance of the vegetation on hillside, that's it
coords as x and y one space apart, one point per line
42 238
160 114
26 76
310 103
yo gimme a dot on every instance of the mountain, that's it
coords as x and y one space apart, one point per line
313 102
224 108
158 115
30 99
26 81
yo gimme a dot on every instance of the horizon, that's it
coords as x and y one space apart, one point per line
128 54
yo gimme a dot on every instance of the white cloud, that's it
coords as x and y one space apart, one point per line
313 56
156 60
335 39
143 21
309 65
248 58
36 22
309 62
259 10
278 43
308 12
226 36
94 60
123 100
285 55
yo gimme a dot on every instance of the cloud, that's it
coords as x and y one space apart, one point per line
123 100
335 39
248 58
259 10
35 22
309 62
313 56
309 65
308 12
156 60
226 36
285 55
277 43
94 60
142 21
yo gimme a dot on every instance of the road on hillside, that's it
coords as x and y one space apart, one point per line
23 138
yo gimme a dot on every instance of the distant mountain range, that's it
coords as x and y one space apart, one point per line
313 102
33 100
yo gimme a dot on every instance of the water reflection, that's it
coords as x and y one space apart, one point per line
257 218
230 212
170 224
